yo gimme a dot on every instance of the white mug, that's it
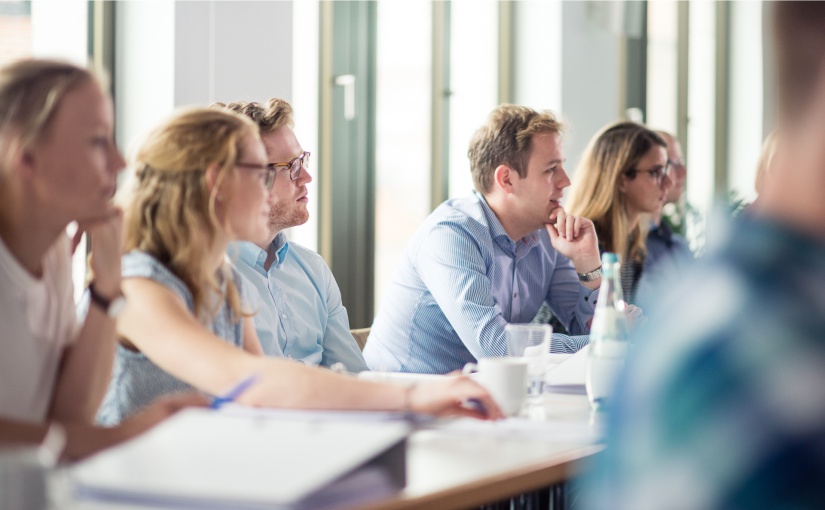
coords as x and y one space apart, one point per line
505 378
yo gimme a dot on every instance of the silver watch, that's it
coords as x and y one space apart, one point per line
592 275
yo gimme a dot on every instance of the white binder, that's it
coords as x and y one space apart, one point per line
201 458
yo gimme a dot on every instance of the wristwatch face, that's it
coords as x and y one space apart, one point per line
116 306
111 308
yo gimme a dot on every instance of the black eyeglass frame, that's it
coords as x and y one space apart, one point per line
659 172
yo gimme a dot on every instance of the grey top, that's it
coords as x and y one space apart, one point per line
136 381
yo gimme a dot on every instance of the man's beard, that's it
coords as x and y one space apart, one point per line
283 216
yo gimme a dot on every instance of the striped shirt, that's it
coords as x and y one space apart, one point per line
461 281
722 403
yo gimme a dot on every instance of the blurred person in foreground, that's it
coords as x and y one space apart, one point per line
298 309
764 168
58 164
722 405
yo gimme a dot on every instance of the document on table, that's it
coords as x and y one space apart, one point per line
570 371
201 458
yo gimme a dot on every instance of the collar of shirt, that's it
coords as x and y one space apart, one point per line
253 256
513 248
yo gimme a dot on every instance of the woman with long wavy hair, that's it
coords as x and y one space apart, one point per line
202 181
621 179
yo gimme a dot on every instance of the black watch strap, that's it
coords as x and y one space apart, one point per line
109 306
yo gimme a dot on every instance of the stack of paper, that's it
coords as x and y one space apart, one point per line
206 459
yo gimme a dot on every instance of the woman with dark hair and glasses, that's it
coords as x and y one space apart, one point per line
621 180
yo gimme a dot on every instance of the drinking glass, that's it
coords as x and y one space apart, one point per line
531 342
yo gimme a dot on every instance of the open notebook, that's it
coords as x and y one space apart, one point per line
201 458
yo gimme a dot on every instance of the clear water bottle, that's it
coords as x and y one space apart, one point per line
608 336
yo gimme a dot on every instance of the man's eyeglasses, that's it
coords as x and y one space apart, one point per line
676 163
658 172
267 172
294 165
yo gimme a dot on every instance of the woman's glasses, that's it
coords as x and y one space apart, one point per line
267 172
658 172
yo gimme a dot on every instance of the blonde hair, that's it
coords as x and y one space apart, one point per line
170 211
269 117
612 153
505 139
30 92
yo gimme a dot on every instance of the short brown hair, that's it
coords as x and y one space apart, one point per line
799 35
505 139
269 117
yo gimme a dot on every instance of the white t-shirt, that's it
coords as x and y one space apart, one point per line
37 321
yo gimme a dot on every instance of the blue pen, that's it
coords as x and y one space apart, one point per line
475 404
235 392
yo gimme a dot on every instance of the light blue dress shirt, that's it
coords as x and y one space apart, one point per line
298 308
461 281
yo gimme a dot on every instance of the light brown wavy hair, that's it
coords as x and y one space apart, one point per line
170 211
269 117
505 140
30 92
613 152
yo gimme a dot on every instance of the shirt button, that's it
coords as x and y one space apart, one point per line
515 295
283 316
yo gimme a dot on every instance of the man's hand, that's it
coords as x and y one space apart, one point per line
575 238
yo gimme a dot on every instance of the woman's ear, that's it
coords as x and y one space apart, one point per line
214 182
503 176
622 184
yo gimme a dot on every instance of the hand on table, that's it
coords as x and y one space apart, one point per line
450 396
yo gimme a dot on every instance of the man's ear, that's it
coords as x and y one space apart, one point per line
504 176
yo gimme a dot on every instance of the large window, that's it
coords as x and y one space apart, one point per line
403 130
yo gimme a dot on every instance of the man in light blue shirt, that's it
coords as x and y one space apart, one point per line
489 259
298 313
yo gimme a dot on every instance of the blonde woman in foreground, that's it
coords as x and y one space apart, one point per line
58 164
201 181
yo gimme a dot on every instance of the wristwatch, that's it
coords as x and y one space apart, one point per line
592 275
112 307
